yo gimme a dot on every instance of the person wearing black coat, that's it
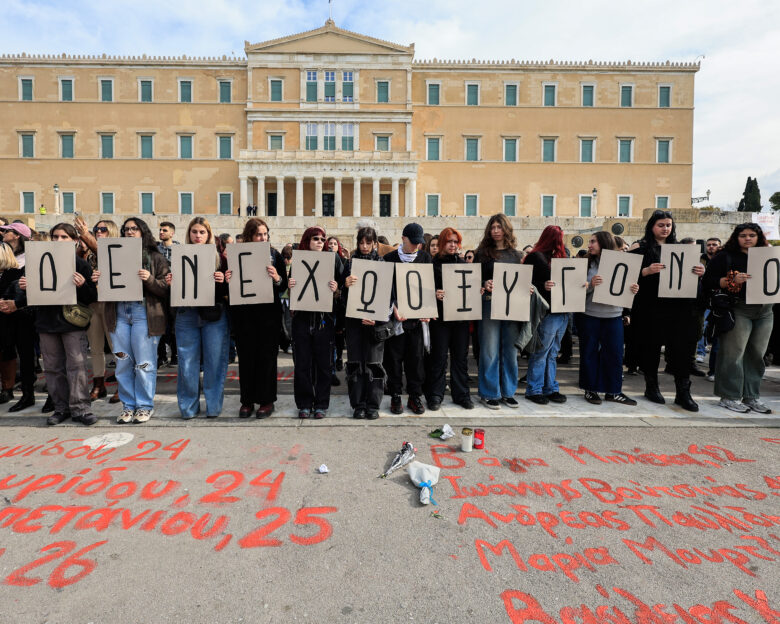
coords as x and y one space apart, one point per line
9 276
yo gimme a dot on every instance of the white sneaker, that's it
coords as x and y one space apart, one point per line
757 406
700 358
125 417
142 415
710 377
734 406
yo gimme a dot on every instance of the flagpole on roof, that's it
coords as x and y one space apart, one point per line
330 9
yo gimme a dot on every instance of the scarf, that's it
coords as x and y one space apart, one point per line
405 257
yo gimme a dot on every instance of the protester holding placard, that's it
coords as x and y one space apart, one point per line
202 331
64 344
257 328
600 330
740 363
497 354
10 272
661 321
135 328
339 312
448 337
542 385
313 338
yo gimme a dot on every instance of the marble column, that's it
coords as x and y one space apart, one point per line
280 195
243 197
411 207
394 199
337 197
318 196
299 196
356 197
261 196
375 198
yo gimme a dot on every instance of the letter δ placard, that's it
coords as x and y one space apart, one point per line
250 282
193 269
511 297
369 297
677 280
619 270
764 270
570 276
461 283
415 290
49 269
119 260
312 270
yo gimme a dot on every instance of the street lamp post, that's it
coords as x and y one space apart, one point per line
594 193
56 199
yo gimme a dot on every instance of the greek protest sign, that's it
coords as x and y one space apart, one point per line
511 296
193 269
415 290
461 284
49 269
677 280
764 270
250 282
119 260
369 297
619 270
312 270
570 276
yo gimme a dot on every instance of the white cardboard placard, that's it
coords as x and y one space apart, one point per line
677 280
192 268
415 290
461 283
369 297
250 282
570 276
511 296
764 270
619 270
312 270
119 260
49 269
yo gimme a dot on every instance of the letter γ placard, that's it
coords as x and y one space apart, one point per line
193 268
415 290
511 298
369 297
764 270
569 292
49 269
312 270
250 282
119 260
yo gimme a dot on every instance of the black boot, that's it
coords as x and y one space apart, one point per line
376 385
652 393
6 395
48 406
683 397
28 399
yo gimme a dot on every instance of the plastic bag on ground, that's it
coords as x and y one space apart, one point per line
424 476
403 457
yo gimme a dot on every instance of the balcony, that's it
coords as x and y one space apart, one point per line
325 155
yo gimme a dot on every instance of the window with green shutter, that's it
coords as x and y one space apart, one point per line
624 206
185 146
276 142
107 203
510 205
225 92
27 89
311 88
586 150
348 137
587 95
471 205
664 97
147 146
106 90
225 148
348 91
662 202
67 145
147 203
68 203
626 96
510 150
472 95
510 95
585 204
433 148
106 146
625 150
382 91
329 137
311 136
146 90
548 205
66 90
549 95
433 95
432 205
383 144
185 91
185 203
663 151
472 149
225 204
28 146
330 86
548 150
28 202
276 90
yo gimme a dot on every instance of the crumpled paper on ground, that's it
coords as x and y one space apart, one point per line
323 469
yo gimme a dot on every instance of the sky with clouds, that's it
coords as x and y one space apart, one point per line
737 116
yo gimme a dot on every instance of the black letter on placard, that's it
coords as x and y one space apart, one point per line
111 272
508 289
463 286
312 271
241 279
53 272
193 262
364 291
409 290
614 276
679 260
563 282
776 262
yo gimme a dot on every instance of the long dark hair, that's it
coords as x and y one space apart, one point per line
147 239
732 244
649 237
488 246
605 241
68 229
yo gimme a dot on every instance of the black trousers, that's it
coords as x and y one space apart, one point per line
676 328
365 373
405 353
449 337
313 336
19 338
256 330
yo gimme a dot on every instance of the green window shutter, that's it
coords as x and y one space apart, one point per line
548 205
107 146
330 89
67 90
348 143
471 205
225 148
28 146
276 90
662 203
67 145
147 146
276 141
587 95
548 150
106 91
311 142
311 91
549 95
433 94
348 91
68 203
586 150
510 150
329 143
433 205
27 89
510 97
585 203
382 91
225 92
625 96
433 149
665 97
382 144
146 90
625 151
472 149
108 203
185 91
186 203
225 204
185 146
28 202
472 95
510 205
624 206
147 203
663 151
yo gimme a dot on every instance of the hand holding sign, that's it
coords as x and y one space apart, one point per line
249 278
311 273
763 275
679 277
120 261
510 298
415 290
369 296
49 271
461 283
619 271
192 275
569 276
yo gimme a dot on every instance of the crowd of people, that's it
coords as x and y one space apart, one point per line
381 355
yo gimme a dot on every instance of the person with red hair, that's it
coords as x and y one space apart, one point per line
542 387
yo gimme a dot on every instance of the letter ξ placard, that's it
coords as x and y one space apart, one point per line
193 268
619 270
49 269
250 282
764 270
461 283
569 292
677 280
119 260
511 297
369 297
415 290
312 270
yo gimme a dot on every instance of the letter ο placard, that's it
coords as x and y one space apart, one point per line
764 269
49 269
415 290
619 270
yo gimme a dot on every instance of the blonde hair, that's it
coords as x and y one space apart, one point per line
113 228
7 257
200 221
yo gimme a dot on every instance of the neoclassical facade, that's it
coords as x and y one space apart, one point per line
334 123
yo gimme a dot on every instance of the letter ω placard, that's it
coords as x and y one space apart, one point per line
677 280
250 282
511 297
119 260
369 297
461 283
619 270
312 270
193 269
415 290
764 270
569 275
49 269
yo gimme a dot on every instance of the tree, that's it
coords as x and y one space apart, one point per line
774 200
751 198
